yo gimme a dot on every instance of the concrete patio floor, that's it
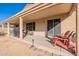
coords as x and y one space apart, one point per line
44 43
12 47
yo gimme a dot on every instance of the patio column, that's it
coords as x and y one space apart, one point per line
77 29
21 27
8 28
3 27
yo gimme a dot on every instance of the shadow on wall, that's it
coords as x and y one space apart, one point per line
15 31
69 25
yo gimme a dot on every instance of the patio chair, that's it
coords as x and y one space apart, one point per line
63 35
64 41
60 37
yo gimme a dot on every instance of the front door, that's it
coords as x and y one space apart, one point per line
53 27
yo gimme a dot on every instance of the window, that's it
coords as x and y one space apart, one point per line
30 26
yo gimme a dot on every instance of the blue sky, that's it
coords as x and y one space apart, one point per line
9 9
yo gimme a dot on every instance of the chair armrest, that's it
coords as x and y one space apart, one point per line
59 36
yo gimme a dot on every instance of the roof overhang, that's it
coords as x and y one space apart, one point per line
42 11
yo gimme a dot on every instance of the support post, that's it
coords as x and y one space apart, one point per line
21 27
77 29
8 28
3 27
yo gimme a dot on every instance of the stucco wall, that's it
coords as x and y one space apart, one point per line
69 23
40 25
40 28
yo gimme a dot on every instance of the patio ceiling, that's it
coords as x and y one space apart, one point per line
46 12
50 11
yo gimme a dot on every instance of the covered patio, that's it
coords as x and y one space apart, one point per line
38 15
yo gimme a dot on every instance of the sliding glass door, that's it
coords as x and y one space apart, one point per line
53 27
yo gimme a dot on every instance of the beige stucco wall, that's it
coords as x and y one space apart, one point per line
41 25
40 28
69 23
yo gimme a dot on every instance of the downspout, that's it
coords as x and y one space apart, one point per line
76 29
